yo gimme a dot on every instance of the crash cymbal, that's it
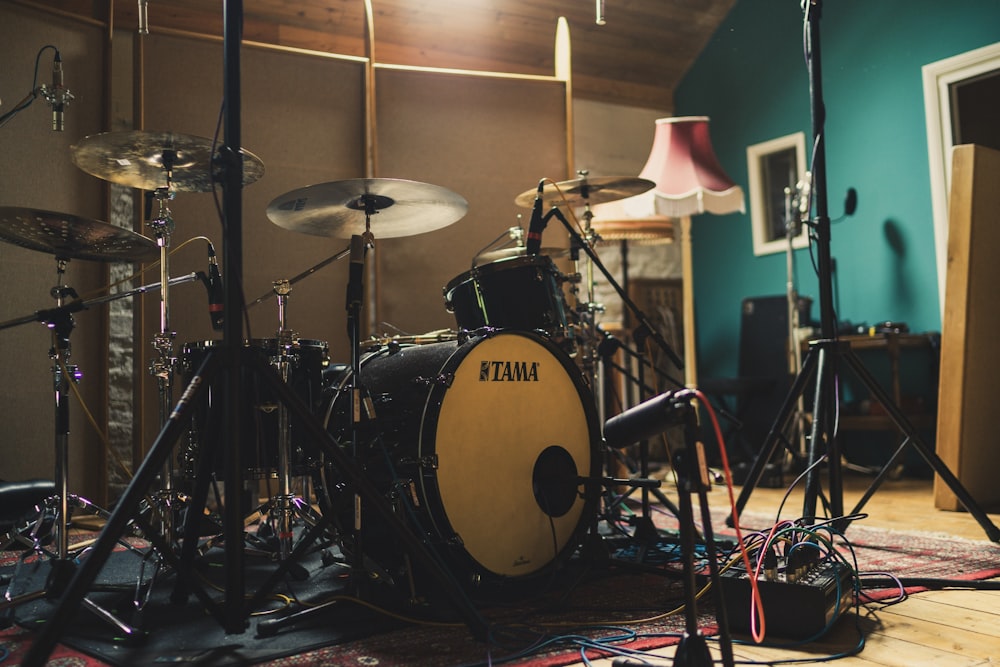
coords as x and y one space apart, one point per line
580 191
507 253
72 237
394 208
140 159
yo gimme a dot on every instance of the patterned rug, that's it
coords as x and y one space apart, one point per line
592 603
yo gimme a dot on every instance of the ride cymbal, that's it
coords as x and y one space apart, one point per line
393 207
142 159
580 191
72 237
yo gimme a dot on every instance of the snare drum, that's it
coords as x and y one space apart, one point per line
258 404
480 445
522 293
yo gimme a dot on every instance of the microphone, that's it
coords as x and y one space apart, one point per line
216 292
143 18
355 278
851 201
58 96
537 223
649 418
599 18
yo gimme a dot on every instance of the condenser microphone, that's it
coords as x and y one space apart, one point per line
216 291
143 18
537 223
59 96
355 278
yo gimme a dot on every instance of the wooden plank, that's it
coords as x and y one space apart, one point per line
969 354
929 625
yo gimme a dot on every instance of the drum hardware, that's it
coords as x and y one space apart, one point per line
644 331
67 237
280 509
162 164
232 612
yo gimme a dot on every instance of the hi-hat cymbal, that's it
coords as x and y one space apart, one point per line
141 159
72 237
394 208
580 191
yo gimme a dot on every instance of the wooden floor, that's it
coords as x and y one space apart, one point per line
948 628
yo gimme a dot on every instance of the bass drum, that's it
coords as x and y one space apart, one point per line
482 444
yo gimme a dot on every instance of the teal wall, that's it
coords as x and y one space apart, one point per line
752 81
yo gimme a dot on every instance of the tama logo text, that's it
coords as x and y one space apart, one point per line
508 371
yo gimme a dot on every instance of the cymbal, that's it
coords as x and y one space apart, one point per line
140 159
72 237
580 191
507 253
393 207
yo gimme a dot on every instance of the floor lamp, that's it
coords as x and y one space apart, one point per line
689 180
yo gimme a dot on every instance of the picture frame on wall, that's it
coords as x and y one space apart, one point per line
773 166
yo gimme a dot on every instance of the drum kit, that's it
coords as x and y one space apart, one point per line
406 411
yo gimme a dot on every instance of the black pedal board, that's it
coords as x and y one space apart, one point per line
796 609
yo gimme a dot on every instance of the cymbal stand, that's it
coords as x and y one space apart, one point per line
280 509
164 365
647 329
62 563
587 309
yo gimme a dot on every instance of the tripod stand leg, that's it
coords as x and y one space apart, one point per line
929 455
127 507
823 439
770 445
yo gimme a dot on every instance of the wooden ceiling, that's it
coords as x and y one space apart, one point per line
636 58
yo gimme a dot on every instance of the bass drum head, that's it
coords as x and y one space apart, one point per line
511 436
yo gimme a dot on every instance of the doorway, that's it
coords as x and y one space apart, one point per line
960 93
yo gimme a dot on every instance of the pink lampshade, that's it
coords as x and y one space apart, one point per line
688 176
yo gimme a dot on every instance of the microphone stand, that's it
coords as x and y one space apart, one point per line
826 356
640 422
232 614
644 322
645 530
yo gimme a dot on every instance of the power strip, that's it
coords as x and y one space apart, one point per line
799 609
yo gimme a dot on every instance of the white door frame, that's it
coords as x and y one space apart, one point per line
938 78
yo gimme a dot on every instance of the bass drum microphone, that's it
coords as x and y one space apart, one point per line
649 418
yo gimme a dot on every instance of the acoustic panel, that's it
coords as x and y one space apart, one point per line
487 139
36 172
302 115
